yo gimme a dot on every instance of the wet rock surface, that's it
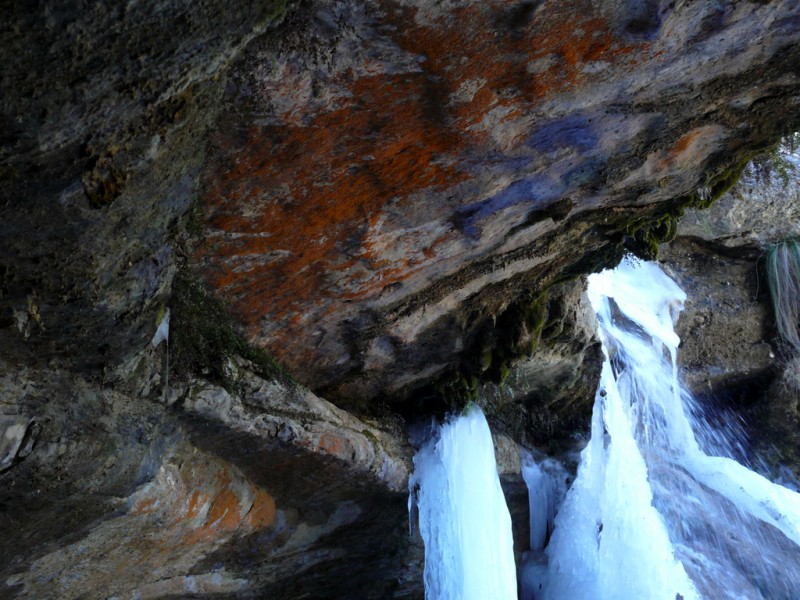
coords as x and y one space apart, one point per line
726 326
546 400
128 498
391 197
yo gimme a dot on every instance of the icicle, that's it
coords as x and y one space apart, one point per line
162 332
463 517
650 516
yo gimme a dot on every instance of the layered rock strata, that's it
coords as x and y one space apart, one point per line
395 198
268 491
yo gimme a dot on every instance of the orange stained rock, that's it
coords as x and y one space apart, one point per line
334 445
144 505
687 147
262 513
464 49
196 501
225 511
288 206
224 516
313 209
685 141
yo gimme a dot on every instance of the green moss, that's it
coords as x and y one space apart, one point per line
203 338
486 360
456 392
774 161
644 233
516 334
505 371
162 311
371 436
273 12
535 319
720 183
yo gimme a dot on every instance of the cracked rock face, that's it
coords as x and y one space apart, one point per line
386 178
388 195
103 112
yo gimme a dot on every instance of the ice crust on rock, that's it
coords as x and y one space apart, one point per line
652 513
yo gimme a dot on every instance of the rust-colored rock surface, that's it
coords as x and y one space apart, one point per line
387 178
270 492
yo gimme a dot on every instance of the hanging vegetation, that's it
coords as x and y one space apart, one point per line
783 276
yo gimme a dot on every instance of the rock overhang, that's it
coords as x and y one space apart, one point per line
389 176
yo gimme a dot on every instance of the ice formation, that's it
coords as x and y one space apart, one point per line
463 517
659 509
653 513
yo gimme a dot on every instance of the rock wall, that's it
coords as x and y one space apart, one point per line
264 492
105 109
731 353
395 198
387 190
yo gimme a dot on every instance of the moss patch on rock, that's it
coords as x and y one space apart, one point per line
511 336
203 337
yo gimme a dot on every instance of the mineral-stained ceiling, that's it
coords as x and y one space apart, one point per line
384 195
386 179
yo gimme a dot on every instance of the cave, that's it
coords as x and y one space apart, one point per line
251 251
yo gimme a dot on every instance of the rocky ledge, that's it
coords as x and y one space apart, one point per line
265 491
392 187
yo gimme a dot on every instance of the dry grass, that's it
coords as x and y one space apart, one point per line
783 276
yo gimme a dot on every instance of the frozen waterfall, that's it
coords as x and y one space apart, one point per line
463 517
659 510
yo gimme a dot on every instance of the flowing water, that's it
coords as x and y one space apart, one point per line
659 508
